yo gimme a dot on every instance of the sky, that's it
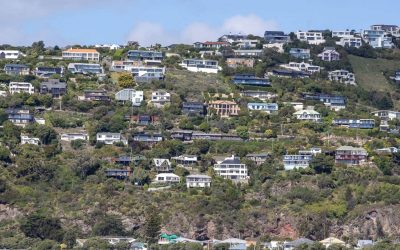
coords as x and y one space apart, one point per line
89 22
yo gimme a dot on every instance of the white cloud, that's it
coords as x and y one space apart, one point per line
149 33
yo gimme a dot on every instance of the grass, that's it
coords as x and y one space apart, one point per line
369 72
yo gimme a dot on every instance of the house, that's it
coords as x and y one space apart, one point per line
305 67
335 103
193 108
81 55
85 68
300 53
240 62
393 30
250 79
109 46
308 115
296 244
329 54
111 138
200 65
276 37
332 241
29 140
224 108
234 244
119 173
279 47
46 72
162 165
350 41
377 39
397 77
150 57
364 244
296 105
231 168
210 45
310 37
123 160
342 33
160 98
143 120
167 178
74 136
350 155
146 74
21 87
289 73
53 87
259 159
126 65
387 114
291 162
355 123
147 137
311 151
16 69
10 54
247 43
248 52
389 150
198 180
132 95
231 38
342 76
258 94
263 107
384 126
138 246
215 137
95 95
20 117
185 159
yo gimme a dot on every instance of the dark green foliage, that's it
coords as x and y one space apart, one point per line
322 164
152 226
40 226
78 144
85 165
109 225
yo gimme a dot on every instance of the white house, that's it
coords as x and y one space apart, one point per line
387 114
314 38
247 43
185 159
350 41
21 87
132 95
329 54
74 136
248 52
111 138
198 180
308 115
201 65
167 178
81 55
10 54
159 98
108 46
277 46
264 107
231 168
341 33
305 67
29 140
342 76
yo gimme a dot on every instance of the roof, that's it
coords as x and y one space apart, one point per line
81 50
258 155
308 111
198 176
222 102
231 160
344 148
332 240
167 175
301 241
233 241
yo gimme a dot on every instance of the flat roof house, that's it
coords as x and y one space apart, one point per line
20 117
259 94
198 181
342 76
16 69
240 62
349 155
95 95
259 159
10 54
160 98
250 79
224 108
342 33
276 37
232 38
350 41
53 87
291 162
314 38
111 138
377 39
132 95
143 119
201 65
231 168
46 72
85 68
289 73
248 52
29 140
185 159
193 108
74 136
335 103
150 57
81 55
300 53
355 123
148 137
305 67
394 30
21 87
329 54
210 45
118 173
168 178
263 107
146 74
387 114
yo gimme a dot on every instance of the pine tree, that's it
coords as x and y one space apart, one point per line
152 226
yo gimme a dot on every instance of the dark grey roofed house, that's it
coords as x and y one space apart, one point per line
297 243
193 108
16 69
53 87
276 37
46 72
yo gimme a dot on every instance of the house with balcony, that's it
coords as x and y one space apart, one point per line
127 65
148 137
310 37
10 54
85 68
329 54
186 160
291 162
74 136
143 119
248 52
16 69
146 74
342 33
21 87
193 108
312 151
250 79
119 173
258 94
355 123
46 72
377 39
162 165
131 95
302 66
231 38
247 43
240 62
387 114
279 47
224 108
53 87
160 98
259 159
342 76
111 138
308 115
393 30
269 108
333 102
201 65
231 168
299 53
20 117
95 95
349 155
198 181
210 45
350 41
167 178
150 57
276 37
29 140
289 73
81 55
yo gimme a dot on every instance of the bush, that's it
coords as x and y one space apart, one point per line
78 144
40 226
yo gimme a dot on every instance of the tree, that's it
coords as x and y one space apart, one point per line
125 80
109 225
322 164
40 226
84 165
152 226
243 132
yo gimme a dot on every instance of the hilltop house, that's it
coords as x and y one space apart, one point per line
355 123
81 55
20 117
224 108
132 95
10 54
259 159
342 76
162 165
201 65
250 79
111 138
377 39
276 37
167 178
160 98
350 155
210 45
198 181
263 107
300 53
53 87
231 38
231 168
350 41
29 140
21 87
342 33
193 108
329 54
314 38
247 43
85 68
308 115
74 136
305 67
240 62
46 72
393 30
16 69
